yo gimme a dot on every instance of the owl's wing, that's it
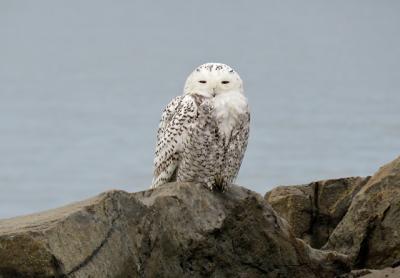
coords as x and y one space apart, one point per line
238 144
172 131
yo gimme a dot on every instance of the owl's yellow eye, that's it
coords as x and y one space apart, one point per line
202 81
225 82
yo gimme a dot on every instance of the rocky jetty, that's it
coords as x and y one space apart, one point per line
359 217
184 230
177 230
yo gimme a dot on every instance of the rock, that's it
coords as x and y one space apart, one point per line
177 230
78 240
359 217
314 210
388 272
383 273
370 231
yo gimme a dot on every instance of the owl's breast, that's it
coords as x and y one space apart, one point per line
228 108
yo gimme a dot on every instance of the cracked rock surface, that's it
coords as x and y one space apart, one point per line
359 217
177 230
370 231
314 210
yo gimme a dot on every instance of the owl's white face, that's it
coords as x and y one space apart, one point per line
213 79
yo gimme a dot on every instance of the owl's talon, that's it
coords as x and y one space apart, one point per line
222 187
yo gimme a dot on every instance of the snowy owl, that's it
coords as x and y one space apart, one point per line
203 133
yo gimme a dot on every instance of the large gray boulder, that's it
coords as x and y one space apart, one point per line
315 209
370 231
359 217
178 230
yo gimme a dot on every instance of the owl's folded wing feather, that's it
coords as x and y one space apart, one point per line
172 131
238 145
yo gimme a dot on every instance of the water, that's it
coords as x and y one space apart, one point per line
83 83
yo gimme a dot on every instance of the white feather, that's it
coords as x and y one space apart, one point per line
228 107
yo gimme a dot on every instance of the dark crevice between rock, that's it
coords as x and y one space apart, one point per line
321 224
363 253
396 264
362 256
385 213
315 214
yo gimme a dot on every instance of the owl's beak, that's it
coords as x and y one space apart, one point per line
213 92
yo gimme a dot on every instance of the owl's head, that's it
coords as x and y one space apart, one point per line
213 79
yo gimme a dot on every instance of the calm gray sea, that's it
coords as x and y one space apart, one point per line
83 83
